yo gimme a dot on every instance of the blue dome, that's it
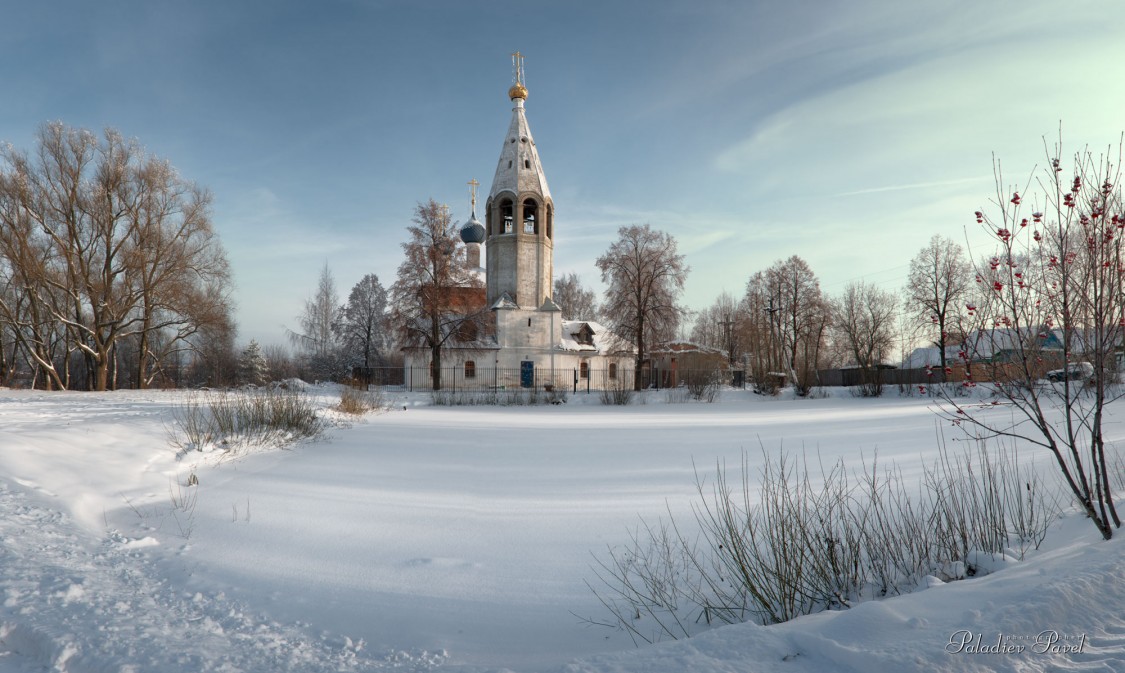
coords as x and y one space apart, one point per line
472 231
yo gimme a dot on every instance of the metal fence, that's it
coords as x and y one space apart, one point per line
481 379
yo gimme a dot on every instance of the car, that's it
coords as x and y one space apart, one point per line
1075 371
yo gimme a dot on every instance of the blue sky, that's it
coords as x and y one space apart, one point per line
846 132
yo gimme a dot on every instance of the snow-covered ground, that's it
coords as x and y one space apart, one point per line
461 539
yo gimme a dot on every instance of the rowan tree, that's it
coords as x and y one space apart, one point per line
645 278
1053 294
436 298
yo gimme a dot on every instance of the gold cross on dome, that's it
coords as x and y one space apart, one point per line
517 68
473 184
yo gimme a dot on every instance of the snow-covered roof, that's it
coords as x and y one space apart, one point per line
603 340
679 347
930 356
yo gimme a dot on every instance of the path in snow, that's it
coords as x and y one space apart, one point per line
75 604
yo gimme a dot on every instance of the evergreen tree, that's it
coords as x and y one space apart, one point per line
252 367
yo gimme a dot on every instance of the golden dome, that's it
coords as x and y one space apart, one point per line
517 91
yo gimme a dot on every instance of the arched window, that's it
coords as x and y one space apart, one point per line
506 216
550 220
530 217
470 369
613 370
527 163
584 370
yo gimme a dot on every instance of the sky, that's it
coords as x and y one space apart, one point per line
848 133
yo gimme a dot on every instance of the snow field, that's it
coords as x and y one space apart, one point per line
454 537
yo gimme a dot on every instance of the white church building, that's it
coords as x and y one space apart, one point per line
534 345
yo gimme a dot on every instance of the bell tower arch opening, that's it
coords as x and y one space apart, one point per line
521 228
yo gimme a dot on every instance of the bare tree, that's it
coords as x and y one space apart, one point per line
864 322
645 276
363 327
936 291
1053 296
436 299
798 317
104 244
317 339
722 325
576 301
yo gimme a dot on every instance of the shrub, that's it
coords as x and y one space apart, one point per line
357 402
617 393
802 544
230 420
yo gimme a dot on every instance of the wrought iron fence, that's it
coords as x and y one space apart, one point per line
486 379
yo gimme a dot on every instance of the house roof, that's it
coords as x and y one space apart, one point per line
604 341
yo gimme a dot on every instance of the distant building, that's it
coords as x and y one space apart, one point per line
532 344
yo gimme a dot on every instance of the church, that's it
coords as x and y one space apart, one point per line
532 345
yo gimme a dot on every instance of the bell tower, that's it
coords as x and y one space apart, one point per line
519 214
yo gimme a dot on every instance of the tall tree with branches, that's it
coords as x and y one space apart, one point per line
363 325
798 317
436 298
316 339
863 317
645 276
937 288
106 245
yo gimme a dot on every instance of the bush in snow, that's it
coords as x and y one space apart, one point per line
802 543
229 420
617 393
356 401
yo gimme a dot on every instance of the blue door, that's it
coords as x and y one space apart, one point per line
527 374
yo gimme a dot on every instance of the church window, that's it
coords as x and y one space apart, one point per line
613 370
527 163
550 220
470 369
584 369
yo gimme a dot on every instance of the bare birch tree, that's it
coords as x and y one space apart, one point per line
318 321
645 277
